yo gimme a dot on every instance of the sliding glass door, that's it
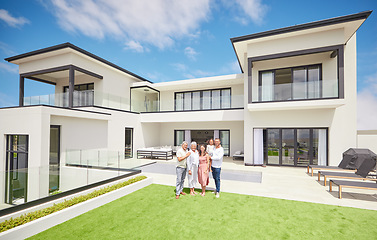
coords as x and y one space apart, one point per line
295 147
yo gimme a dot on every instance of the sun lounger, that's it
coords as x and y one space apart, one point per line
332 168
345 175
351 184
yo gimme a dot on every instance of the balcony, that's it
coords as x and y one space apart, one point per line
296 95
90 98
80 99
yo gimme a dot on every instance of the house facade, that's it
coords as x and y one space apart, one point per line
293 104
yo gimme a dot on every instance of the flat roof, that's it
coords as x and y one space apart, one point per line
237 42
74 47
299 27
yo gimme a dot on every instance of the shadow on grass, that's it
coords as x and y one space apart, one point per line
187 190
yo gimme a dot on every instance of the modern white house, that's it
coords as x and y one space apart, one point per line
293 104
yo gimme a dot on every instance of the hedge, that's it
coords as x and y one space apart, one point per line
25 218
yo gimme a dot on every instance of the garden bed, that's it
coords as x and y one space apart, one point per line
32 223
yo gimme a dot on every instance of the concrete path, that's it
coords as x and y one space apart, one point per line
276 182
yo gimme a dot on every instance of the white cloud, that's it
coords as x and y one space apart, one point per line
190 53
12 21
158 23
135 46
247 10
8 67
367 105
180 67
187 72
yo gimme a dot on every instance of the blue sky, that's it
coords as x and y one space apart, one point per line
165 40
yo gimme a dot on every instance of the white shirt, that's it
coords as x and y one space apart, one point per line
217 158
181 153
193 160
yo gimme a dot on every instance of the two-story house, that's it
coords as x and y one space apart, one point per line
293 104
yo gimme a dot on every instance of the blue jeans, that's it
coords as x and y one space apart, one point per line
181 175
216 177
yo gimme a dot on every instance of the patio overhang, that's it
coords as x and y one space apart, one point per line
53 75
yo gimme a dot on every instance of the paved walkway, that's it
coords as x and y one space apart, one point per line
276 182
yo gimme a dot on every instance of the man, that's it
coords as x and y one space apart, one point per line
217 160
182 155
192 167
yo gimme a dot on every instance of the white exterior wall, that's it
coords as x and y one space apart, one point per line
340 119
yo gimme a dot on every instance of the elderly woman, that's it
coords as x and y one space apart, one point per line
182 155
192 167
203 176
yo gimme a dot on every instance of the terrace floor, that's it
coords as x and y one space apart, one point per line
276 182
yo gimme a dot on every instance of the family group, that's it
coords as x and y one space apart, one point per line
198 163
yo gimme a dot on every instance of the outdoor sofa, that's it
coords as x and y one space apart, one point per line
165 153
238 154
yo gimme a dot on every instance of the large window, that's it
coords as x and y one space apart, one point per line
203 100
128 143
295 146
80 87
54 166
296 83
179 137
16 169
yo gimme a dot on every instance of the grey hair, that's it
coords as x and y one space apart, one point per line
193 143
184 142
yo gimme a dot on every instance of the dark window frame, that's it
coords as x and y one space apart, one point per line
175 136
319 65
201 99
132 142
9 144
59 142
66 88
295 146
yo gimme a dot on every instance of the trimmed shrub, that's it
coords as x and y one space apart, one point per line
25 218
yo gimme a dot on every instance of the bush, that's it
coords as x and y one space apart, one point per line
25 218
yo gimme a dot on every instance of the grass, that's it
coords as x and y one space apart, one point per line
154 213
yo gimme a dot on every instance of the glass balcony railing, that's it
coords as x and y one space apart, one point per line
296 91
101 99
195 104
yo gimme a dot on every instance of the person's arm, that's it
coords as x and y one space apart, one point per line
189 163
184 157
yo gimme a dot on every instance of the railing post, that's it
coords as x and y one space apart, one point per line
21 92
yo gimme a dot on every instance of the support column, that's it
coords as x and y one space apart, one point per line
71 86
341 71
21 91
250 81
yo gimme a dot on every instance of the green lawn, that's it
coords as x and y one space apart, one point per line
154 213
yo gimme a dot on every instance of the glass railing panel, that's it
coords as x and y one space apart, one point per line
297 91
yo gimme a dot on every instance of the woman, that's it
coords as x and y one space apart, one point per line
203 176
